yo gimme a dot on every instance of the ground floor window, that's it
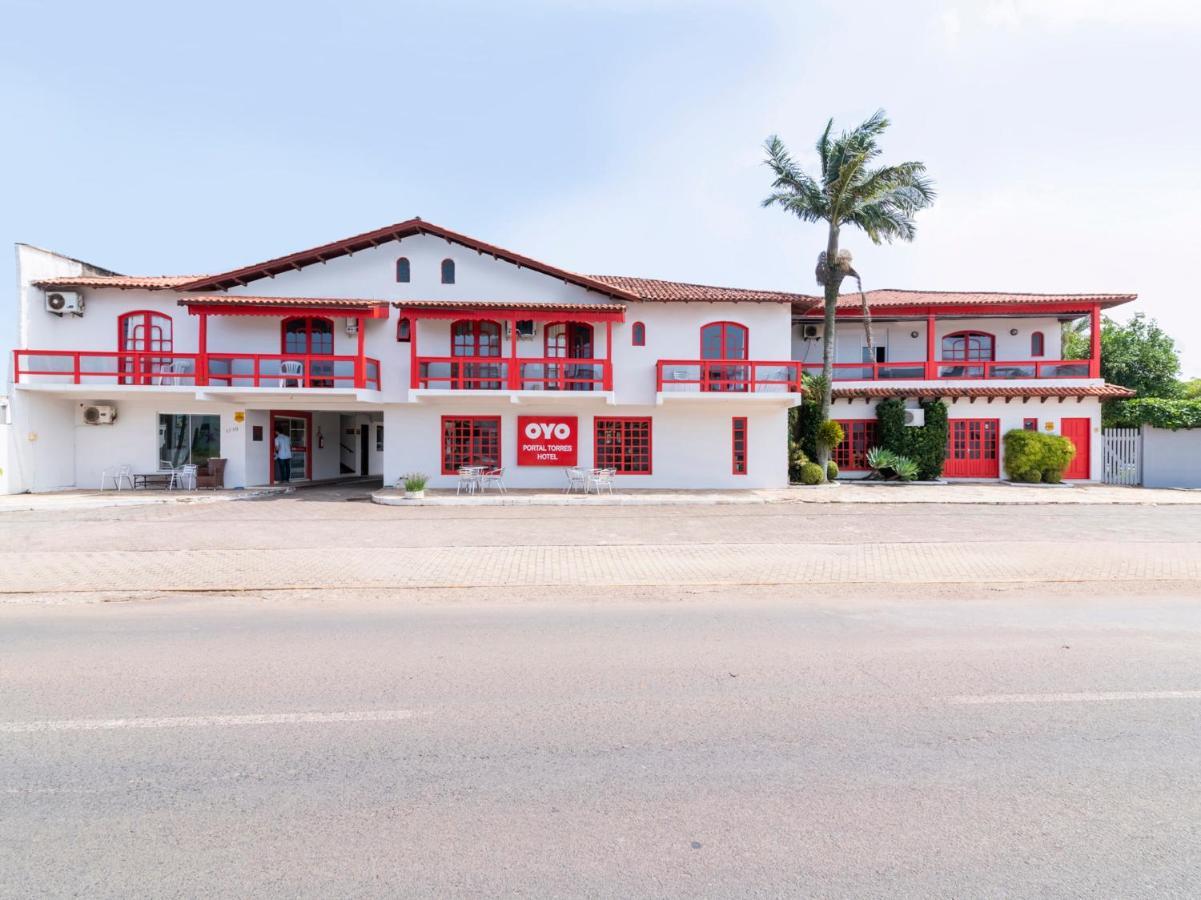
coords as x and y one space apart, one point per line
623 445
860 436
187 439
973 448
469 441
739 445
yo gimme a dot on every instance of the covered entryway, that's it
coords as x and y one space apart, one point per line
1079 432
298 427
973 448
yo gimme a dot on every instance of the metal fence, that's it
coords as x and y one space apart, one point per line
1123 456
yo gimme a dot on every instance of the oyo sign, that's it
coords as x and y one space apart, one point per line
547 440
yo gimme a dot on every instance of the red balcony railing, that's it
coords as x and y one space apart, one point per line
727 376
191 369
496 373
956 369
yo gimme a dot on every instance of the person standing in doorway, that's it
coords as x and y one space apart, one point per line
283 456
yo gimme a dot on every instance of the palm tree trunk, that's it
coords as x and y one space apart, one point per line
828 335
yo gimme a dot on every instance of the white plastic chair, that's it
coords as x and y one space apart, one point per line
291 372
576 478
117 474
469 479
494 477
183 478
601 478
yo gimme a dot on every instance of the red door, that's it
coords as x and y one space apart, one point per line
972 449
1079 432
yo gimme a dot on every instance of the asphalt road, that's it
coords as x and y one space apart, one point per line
714 740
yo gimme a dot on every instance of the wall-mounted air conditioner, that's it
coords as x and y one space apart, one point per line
100 414
352 326
525 330
63 303
915 417
810 332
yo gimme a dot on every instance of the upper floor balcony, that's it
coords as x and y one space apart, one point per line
958 369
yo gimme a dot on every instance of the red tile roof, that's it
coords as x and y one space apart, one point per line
305 302
655 290
122 282
887 298
396 232
872 392
508 304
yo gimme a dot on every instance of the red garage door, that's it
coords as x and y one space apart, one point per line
972 450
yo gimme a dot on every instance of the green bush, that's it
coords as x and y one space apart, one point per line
888 465
829 434
803 422
415 481
1032 456
1157 413
796 459
831 470
925 445
811 473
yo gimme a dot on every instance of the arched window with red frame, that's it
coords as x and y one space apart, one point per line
142 332
724 341
469 337
638 334
569 340
1038 344
969 346
308 336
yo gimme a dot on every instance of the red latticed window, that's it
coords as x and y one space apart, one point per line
861 436
623 445
469 441
739 446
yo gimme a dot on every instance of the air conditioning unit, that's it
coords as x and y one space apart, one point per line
352 326
810 332
63 302
100 414
915 417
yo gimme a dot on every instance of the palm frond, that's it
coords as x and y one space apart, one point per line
792 189
823 147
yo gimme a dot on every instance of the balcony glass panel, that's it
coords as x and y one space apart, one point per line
1064 369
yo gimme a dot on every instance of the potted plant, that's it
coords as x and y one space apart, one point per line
414 484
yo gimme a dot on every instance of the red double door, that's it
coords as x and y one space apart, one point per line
973 448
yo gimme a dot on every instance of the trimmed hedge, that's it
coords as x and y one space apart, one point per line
803 424
925 445
1032 456
831 470
1156 412
811 473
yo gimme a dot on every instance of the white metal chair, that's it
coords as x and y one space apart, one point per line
601 478
469 479
576 478
169 372
183 478
494 477
117 474
291 372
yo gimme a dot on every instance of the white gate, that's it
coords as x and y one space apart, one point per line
1123 456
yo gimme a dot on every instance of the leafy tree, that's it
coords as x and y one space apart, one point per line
1139 355
850 191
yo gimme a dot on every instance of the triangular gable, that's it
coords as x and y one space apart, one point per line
400 230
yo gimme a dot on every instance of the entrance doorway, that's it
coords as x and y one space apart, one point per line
298 426
1079 432
364 450
972 448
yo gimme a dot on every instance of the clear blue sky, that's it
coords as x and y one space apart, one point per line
612 136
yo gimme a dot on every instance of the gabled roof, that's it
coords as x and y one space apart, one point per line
122 282
399 231
891 298
659 291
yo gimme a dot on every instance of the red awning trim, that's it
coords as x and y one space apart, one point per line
950 392
286 306
491 309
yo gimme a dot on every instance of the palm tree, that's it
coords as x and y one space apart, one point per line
879 200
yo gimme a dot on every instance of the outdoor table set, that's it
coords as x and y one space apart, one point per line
480 478
168 478
589 480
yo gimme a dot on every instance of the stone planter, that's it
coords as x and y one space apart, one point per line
415 495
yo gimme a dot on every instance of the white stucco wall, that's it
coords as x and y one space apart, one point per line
1171 459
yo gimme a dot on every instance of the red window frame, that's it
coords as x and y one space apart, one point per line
973 448
448 271
638 334
404 330
139 370
739 445
1030 424
726 328
465 443
861 436
967 352
1038 344
473 329
629 441
404 271
569 335
308 335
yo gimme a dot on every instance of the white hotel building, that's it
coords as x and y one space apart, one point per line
413 348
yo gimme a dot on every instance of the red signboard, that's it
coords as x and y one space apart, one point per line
547 440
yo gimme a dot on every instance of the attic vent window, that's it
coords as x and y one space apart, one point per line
448 271
402 270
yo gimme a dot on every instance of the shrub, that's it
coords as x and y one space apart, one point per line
415 481
831 470
904 468
926 445
796 459
888 465
829 434
803 422
811 473
1032 456
1157 413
